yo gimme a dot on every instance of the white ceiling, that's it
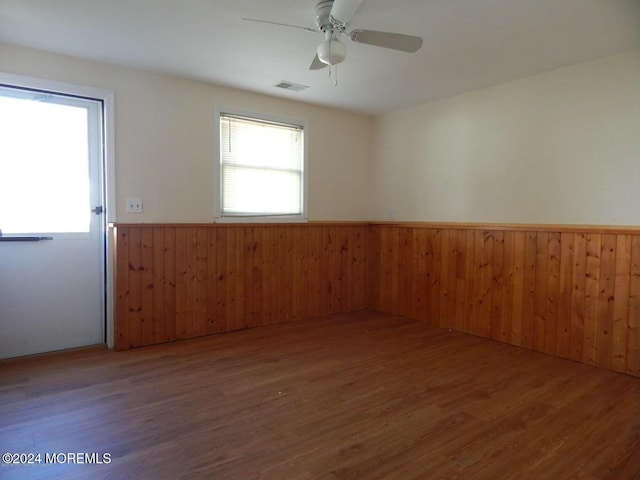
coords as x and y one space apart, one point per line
468 44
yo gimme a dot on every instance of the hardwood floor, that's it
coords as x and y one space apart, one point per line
358 396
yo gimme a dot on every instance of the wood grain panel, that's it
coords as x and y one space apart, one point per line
589 353
528 302
569 293
564 306
159 282
553 295
633 334
433 273
123 292
540 290
621 305
606 297
459 298
469 281
418 285
508 275
170 284
182 281
579 279
134 273
497 286
147 286
220 312
518 287
573 293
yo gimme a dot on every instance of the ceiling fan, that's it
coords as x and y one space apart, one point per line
332 19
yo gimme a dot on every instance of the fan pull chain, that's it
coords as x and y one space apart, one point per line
333 71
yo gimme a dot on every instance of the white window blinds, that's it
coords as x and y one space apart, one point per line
261 167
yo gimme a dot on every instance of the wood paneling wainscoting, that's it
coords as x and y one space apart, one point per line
177 281
572 292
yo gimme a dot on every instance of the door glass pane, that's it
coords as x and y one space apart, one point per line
44 173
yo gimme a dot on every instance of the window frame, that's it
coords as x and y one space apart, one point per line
96 149
285 218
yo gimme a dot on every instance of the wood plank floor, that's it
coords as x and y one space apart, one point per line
359 396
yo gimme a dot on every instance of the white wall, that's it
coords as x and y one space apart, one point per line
561 147
164 139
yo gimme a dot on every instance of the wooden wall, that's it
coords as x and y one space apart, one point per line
573 292
181 281
569 292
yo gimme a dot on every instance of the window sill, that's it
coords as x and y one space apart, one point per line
260 219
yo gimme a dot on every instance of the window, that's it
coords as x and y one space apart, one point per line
261 168
45 141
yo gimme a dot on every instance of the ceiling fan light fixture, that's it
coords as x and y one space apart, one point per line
332 52
332 19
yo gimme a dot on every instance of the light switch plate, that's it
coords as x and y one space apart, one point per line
134 205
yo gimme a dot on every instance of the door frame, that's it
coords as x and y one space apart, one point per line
108 172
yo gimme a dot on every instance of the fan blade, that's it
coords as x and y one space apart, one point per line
317 64
306 29
395 41
343 10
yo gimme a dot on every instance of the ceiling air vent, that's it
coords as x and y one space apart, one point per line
294 87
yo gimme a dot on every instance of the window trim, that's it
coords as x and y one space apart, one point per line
218 217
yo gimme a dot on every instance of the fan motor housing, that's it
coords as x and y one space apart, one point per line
323 15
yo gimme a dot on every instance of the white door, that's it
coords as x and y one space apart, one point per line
52 285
